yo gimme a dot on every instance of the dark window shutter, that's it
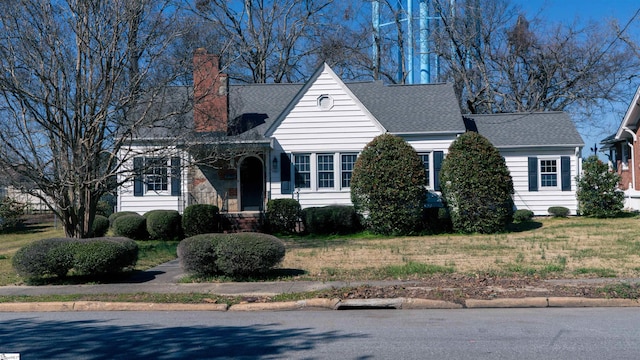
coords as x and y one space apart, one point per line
437 165
138 185
285 174
533 173
565 173
175 176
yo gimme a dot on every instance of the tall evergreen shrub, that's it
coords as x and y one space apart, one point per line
598 193
476 185
388 186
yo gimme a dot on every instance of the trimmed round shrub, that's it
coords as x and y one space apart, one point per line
98 256
198 253
116 215
58 256
522 215
244 254
558 211
333 219
131 226
164 224
200 219
236 255
283 215
388 186
476 185
100 225
598 194
44 257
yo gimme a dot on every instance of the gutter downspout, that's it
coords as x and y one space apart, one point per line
633 157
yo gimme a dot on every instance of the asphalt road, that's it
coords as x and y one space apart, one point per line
588 333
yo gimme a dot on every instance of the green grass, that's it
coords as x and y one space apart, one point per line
599 272
621 291
152 253
415 269
546 247
188 298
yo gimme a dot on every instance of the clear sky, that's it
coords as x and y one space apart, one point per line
582 11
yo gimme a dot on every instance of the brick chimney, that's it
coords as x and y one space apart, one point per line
210 93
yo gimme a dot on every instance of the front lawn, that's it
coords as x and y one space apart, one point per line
545 248
151 253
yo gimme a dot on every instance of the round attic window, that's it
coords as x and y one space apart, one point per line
325 102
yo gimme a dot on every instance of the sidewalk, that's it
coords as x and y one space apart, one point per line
164 279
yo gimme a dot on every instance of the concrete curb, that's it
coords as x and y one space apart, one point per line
543 302
424 304
329 304
319 304
589 302
106 306
395 303
534 302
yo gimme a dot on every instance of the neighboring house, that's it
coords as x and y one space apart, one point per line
622 149
301 141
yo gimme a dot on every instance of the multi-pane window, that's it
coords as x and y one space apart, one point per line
425 163
347 160
325 171
548 173
302 165
156 171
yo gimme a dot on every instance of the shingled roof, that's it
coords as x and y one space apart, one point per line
399 108
411 108
539 129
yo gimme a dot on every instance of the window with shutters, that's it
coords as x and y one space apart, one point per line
156 172
548 173
157 175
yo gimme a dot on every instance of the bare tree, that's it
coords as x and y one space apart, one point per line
265 41
73 72
501 62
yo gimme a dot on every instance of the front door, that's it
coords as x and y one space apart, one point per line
251 184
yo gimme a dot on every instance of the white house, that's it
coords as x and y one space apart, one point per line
301 141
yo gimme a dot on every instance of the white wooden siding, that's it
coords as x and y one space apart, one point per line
344 129
151 200
540 201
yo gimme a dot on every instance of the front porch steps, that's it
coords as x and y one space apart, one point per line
242 222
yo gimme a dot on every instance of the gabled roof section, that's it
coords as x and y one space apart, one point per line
322 69
261 103
540 129
631 117
412 109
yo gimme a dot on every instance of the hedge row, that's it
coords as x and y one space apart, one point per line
161 224
58 256
334 219
235 254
